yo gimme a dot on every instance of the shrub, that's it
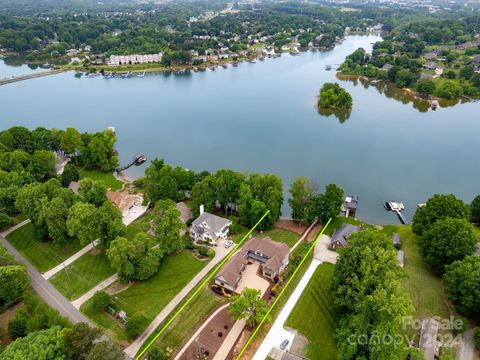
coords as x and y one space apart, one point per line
235 229
156 354
477 338
203 250
5 220
101 301
17 327
135 325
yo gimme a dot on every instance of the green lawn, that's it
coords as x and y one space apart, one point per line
425 289
183 327
335 224
150 297
318 324
42 255
106 177
284 236
142 224
82 275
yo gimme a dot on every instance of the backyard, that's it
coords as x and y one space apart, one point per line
151 296
106 177
42 255
319 323
82 275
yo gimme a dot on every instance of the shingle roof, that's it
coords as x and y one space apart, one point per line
185 212
214 223
74 186
343 232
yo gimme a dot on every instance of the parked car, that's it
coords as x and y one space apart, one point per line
228 244
284 344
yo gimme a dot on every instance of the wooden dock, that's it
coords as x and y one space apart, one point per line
29 76
400 216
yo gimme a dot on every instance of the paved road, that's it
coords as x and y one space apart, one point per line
48 293
220 253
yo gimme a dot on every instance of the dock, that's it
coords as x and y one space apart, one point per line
396 207
400 216
29 76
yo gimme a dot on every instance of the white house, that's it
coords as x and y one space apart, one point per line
209 227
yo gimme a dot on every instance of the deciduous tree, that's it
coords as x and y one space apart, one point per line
168 226
248 306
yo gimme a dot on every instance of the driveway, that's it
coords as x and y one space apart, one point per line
133 214
277 333
321 251
251 280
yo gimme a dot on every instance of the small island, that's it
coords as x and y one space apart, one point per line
334 97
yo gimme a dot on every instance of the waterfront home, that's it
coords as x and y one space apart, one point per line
269 255
209 227
430 65
124 201
428 338
185 212
116 60
387 67
349 206
341 235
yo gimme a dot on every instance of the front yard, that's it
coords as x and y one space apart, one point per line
82 275
151 296
42 255
106 177
319 322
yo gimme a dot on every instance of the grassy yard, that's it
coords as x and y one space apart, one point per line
281 235
150 297
106 177
335 224
425 289
42 255
142 224
318 324
190 319
82 275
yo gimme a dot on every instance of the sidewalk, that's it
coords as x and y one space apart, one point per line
70 260
89 294
13 228
230 340
304 235
277 333
134 347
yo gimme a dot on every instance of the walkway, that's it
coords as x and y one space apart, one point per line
89 294
220 253
29 76
277 333
230 340
70 260
197 333
304 235
46 291
13 228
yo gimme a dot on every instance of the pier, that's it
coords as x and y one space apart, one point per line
400 216
29 76
396 207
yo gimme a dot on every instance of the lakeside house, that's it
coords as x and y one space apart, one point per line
271 256
428 338
209 227
349 206
117 60
185 212
341 235
124 201
387 67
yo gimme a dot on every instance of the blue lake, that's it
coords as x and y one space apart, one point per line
262 118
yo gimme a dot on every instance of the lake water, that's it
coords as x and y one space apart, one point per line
13 67
262 118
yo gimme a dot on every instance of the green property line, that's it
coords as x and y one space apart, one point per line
138 357
281 292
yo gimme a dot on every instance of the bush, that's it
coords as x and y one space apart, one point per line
156 354
203 250
477 338
135 325
460 325
5 221
101 301
235 229
17 327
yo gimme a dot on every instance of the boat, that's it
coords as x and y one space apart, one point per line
295 53
127 75
394 206
235 63
262 58
328 67
141 75
224 66
421 205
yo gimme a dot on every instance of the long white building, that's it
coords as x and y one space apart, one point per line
116 60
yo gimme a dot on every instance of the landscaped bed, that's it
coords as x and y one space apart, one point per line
82 275
318 324
151 296
42 255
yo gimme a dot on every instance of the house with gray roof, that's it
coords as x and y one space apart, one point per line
185 212
340 236
349 206
272 256
209 227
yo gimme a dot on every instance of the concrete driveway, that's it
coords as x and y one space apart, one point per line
321 251
251 280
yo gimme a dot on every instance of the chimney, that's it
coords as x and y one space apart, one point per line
202 209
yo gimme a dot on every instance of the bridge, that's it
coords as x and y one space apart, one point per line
30 76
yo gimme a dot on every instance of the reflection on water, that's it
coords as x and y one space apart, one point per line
341 115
